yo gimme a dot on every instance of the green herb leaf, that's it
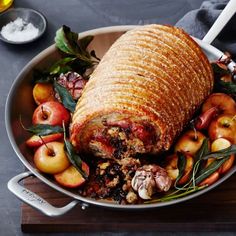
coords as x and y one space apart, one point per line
61 66
65 97
219 71
93 54
221 153
74 158
84 42
206 172
175 196
220 85
41 76
66 40
181 166
43 130
204 150
226 87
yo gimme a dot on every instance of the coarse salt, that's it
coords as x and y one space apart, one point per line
19 31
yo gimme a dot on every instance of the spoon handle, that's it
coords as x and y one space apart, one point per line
220 22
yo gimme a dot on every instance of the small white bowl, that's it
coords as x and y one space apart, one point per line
29 16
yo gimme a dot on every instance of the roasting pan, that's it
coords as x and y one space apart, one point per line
20 102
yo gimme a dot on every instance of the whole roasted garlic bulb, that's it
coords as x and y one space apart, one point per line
150 179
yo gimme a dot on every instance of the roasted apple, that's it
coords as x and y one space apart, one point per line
223 126
219 144
190 142
51 158
36 141
70 177
43 92
171 167
51 113
223 102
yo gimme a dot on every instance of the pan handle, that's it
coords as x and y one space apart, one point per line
220 22
36 201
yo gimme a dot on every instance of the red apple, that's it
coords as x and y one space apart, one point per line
43 92
223 102
190 142
51 113
36 141
223 126
70 177
172 168
51 158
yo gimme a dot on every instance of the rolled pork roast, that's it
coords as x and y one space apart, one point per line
143 92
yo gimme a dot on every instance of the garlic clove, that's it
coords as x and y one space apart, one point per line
137 180
144 193
163 182
134 183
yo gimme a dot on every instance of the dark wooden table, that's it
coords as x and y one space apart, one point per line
81 15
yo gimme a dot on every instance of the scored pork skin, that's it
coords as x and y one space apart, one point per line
154 74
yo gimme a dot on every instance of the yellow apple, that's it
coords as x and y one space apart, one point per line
219 144
51 158
43 92
223 126
190 142
171 166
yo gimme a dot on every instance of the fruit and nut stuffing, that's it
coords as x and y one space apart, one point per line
202 153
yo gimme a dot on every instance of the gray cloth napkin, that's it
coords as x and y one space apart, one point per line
198 22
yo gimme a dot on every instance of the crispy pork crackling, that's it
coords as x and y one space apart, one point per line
144 91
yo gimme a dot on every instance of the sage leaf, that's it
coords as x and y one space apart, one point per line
43 129
42 77
93 54
61 66
204 150
206 172
65 96
66 40
74 158
226 87
218 71
181 166
221 153
198 164
84 42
